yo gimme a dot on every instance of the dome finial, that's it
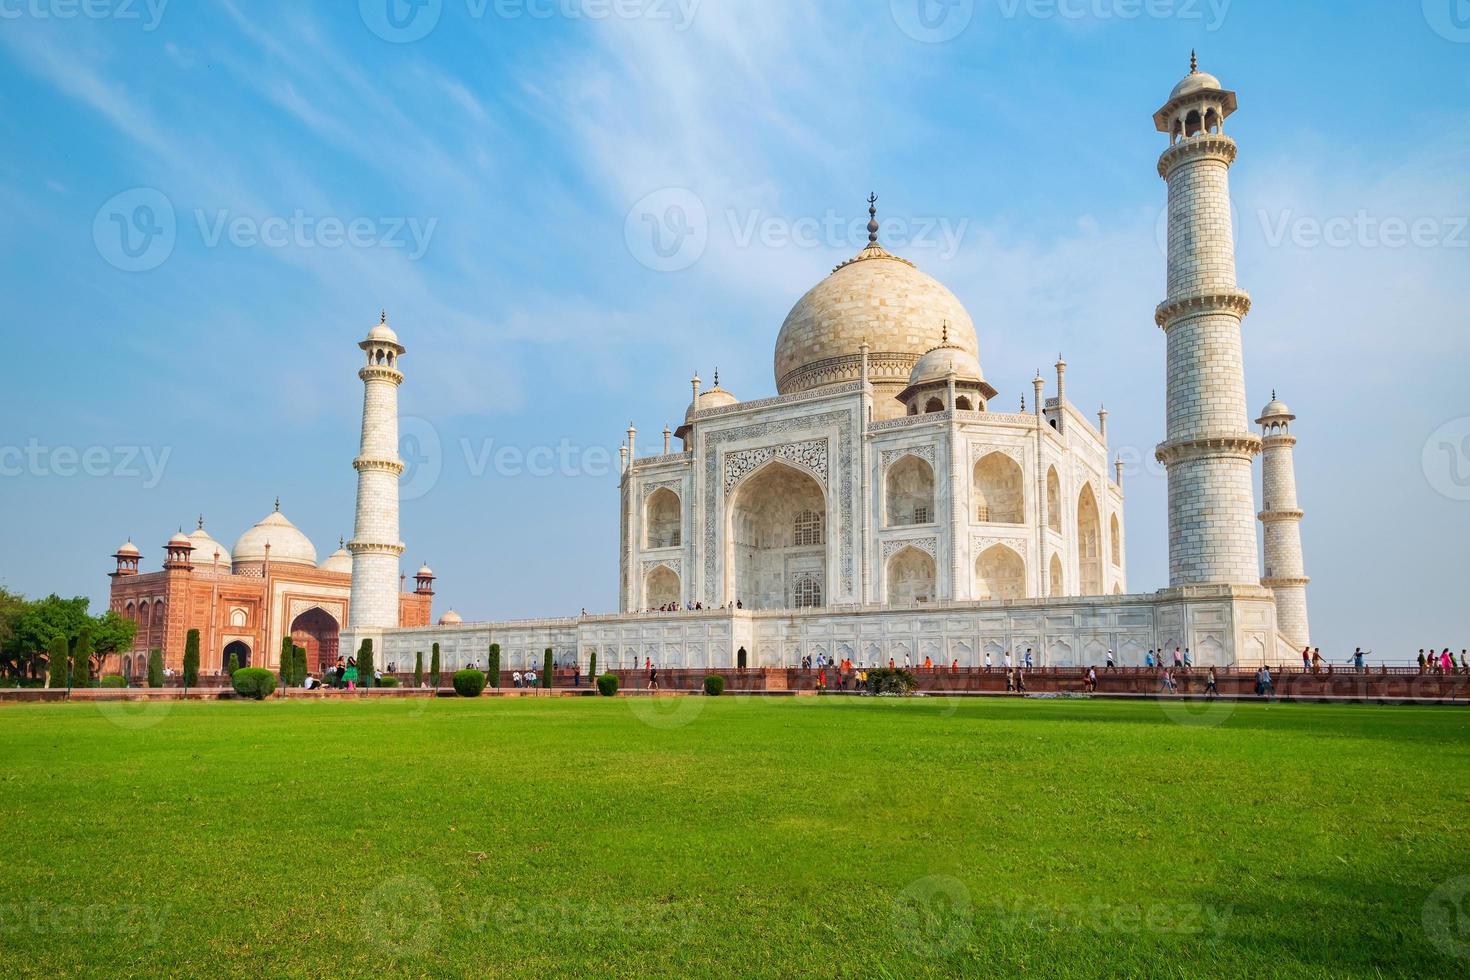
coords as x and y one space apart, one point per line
1273 394
945 335
383 315
717 377
201 522
1193 62
278 504
873 218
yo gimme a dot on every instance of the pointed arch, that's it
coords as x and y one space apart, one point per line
660 587
662 519
776 534
909 492
1000 573
912 576
1053 500
999 488
1115 539
1089 543
1056 586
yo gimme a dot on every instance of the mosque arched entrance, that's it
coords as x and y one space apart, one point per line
317 633
777 553
241 651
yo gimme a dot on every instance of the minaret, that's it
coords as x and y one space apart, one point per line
1209 448
1281 518
375 546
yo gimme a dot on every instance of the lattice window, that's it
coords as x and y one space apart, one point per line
921 515
808 528
807 593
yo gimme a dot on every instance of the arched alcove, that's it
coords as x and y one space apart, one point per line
778 536
1000 573
1000 497
1115 539
1055 585
1089 543
910 492
912 576
1053 500
660 587
662 519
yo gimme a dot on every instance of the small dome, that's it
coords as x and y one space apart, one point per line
716 397
425 572
451 618
1276 410
338 561
939 363
381 331
128 548
180 540
205 549
1196 81
287 544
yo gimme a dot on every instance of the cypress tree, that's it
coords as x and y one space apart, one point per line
298 666
434 668
495 665
155 667
550 666
365 664
81 660
57 653
191 659
288 654
233 664
592 666
418 669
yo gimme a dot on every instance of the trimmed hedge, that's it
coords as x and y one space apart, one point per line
494 665
114 680
418 669
388 680
885 681
469 683
191 659
155 667
254 682
607 685
434 668
714 685
548 670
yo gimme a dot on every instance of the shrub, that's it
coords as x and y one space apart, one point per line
114 680
434 668
254 682
155 667
365 664
592 665
60 667
714 685
81 660
886 681
495 665
469 683
550 665
288 653
191 659
607 685
418 669
298 666
233 664
388 680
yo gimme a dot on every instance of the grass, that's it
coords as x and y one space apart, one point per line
835 837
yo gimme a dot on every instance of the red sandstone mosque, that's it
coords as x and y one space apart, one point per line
243 601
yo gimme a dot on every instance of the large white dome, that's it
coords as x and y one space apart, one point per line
876 298
287 543
205 550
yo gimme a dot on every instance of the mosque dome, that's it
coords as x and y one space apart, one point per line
944 360
338 561
716 397
878 298
205 549
287 543
128 548
1276 409
180 540
424 572
451 618
1196 81
382 332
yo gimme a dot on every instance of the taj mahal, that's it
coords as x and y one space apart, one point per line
882 505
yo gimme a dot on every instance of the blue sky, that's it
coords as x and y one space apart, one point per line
482 169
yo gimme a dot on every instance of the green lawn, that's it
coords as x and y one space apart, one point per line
832 837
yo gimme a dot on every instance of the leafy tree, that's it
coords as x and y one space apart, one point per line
494 674
298 666
15 659
155 667
434 668
111 632
365 664
418 669
81 659
550 663
28 627
39 621
233 664
191 659
57 653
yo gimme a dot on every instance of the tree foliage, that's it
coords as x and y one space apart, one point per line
191 659
27 628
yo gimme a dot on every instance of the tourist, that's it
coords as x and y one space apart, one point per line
1178 660
1358 660
821 679
351 675
1148 661
954 668
1317 660
311 683
1188 663
1008 660
929 664
1464 664
1264 687
987 661
1111 665
1212 689
515 678
907 662
1091 682
1010 679
576 675
1028 658
652 676
890 663
1306 660
1422 661
1021 681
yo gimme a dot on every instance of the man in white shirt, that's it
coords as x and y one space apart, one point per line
1008 660
515 678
